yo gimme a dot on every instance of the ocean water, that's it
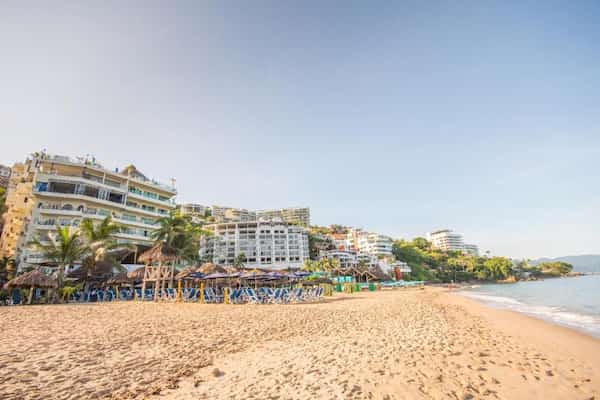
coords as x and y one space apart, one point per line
571 302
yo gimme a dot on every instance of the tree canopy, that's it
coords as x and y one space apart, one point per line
431 264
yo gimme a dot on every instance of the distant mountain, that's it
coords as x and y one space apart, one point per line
584 263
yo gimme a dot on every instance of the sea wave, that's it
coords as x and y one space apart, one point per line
587 323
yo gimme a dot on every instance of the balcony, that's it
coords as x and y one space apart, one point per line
85 179
145 197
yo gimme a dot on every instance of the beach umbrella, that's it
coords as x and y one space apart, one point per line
210 268
221 275
185 273
159 253
196 275
33 279
137 275
119 279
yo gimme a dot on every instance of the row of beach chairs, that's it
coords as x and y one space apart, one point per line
262 295
401 284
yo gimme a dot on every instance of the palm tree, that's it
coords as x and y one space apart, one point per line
179 233
63 248
103 252
239 261
7 269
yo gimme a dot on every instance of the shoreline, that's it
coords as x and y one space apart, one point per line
394 345
514 322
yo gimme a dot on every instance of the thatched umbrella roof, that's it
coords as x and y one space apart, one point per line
184 273
137 275
34 278
210 268
119 279
158 253
102 271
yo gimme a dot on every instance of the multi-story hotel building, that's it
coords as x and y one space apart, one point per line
4 176
48 191
264 244
472 249
447 240
369 242
230 214
293 215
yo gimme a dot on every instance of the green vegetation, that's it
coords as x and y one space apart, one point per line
430 264
63 249
178 232
544 270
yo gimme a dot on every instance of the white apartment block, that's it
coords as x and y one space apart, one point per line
369 242
346 259
230 214
48 191
292 215
446 240
472 249
349 259
264 244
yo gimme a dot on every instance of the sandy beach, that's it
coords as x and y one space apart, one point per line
405 344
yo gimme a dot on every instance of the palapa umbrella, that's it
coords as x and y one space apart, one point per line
119 279
158 253
185 273
137 275
210 268
33 279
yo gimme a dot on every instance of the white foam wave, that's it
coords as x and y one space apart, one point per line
587 323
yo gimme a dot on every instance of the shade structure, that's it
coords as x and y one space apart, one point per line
196 275
159 253
210 268
33 278
102 271
185 273
137 275
219 275
119 279
301 274
255 275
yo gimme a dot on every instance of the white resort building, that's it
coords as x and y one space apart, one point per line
48 191
447 240
264 244
369 243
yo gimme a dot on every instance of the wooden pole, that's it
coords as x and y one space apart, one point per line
202 292
143 284
30 295
179 290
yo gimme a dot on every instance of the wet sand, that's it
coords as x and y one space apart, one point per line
403 344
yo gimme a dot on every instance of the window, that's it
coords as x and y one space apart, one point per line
67 207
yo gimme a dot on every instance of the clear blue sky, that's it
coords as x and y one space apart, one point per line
400 117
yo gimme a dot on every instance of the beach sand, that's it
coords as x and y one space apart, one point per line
403 344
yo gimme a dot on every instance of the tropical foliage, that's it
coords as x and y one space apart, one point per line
546 269
179 233
62 248
431 264
102 251
7 269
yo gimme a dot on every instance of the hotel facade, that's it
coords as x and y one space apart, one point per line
48 191
369 243
448 240
264 244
